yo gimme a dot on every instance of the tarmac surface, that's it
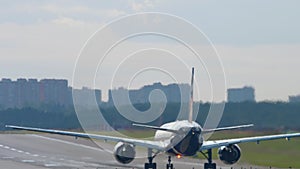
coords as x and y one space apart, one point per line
32 151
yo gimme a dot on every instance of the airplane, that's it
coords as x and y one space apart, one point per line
178 138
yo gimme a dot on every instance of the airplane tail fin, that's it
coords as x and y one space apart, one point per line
192 98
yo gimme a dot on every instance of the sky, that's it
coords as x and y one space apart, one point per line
257 41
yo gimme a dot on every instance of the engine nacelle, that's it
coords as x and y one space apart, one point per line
229 154
124 152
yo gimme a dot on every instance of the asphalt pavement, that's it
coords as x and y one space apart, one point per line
37 151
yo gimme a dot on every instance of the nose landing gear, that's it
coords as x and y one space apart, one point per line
169 165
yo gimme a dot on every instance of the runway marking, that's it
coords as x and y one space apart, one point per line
13 149
28 161
8 157
187 163
67 142
87 158
20 151
52 165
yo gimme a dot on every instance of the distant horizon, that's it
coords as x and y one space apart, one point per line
149 84
257 42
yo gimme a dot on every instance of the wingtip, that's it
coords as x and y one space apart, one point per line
10 126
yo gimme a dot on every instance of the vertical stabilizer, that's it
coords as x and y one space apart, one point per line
192 97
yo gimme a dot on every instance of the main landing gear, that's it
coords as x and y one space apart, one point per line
151 165
208 156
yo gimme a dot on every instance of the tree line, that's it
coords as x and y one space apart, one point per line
264 115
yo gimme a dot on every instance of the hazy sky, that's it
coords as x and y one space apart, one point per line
257 41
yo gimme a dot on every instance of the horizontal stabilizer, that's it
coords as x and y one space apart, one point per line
156 128
226 128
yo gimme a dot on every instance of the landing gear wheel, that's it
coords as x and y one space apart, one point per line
150 165
169 165
210 166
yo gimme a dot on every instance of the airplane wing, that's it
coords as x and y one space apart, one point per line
157 145
218 143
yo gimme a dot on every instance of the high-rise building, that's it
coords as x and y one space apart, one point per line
245 94
7 93
54 91
31 92
26 92
172 93
294 99
87 97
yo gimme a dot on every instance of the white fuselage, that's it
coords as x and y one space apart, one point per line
186 142
176 125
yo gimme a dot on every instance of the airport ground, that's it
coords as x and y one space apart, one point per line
37 151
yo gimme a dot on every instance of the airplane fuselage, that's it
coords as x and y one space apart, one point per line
186 143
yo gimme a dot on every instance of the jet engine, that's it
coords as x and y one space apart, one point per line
124 152
229 154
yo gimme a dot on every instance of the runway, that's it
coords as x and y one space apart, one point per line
31 151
